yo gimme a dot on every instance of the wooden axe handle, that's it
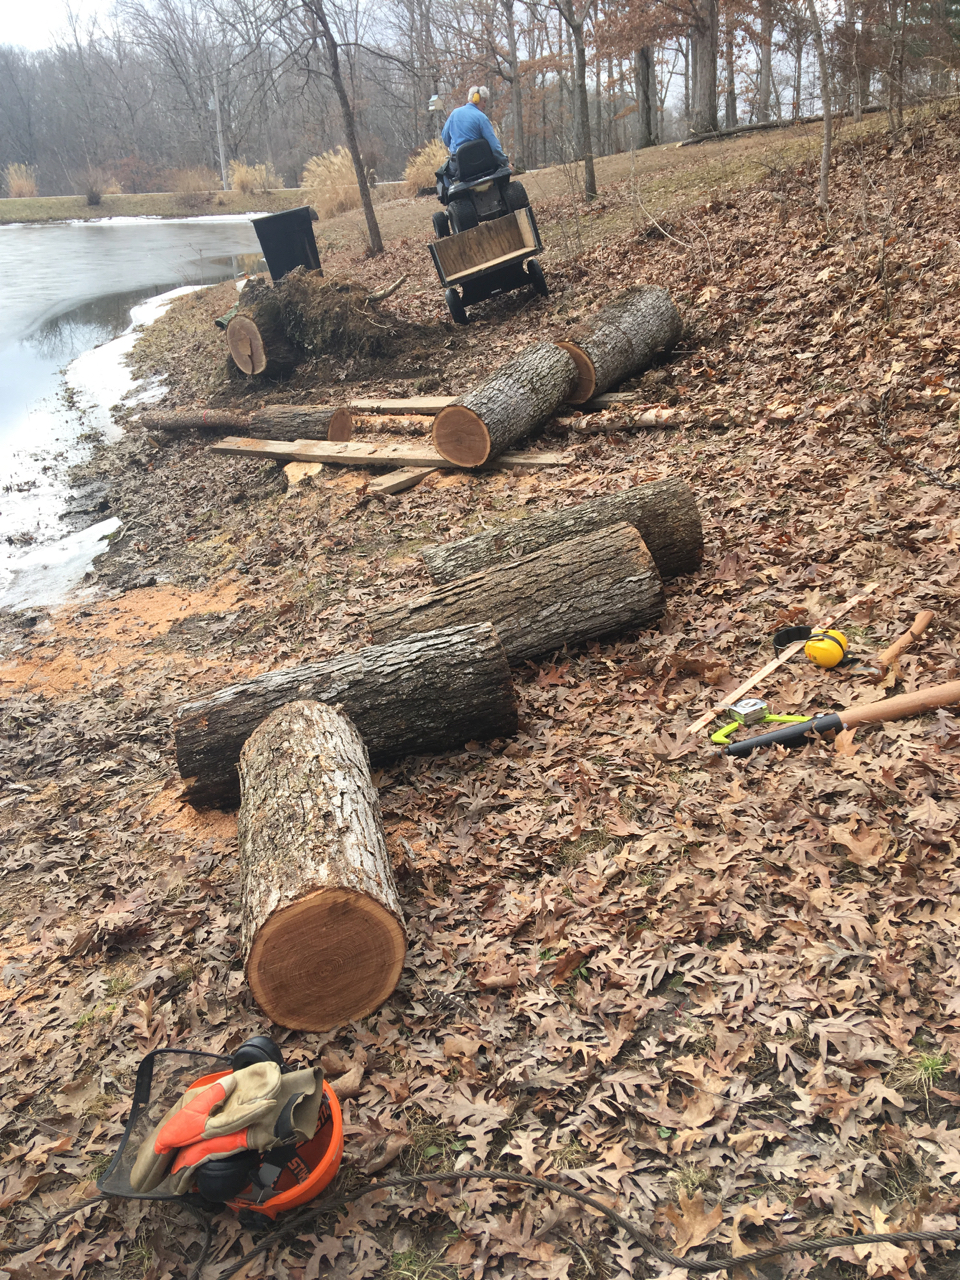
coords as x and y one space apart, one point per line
889 655
902 706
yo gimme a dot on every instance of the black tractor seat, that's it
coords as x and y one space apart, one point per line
471 165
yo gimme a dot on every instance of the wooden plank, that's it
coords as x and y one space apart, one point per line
397 481
515 256
427 405
372 452
481 245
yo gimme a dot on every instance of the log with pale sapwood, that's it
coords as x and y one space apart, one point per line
322 927
621 341
280 421
513 401
257 336
578 590
664 513
429 693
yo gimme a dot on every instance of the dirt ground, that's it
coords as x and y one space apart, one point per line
720 995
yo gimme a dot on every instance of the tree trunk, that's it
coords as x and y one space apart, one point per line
766 60
730 95
664 513
274 422
641 76
256 336
322 927
621 341
349 126
825 97
566 594
705 118
515 96
514 400
431 693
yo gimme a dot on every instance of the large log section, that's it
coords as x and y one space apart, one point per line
322 928
514 400
621 341
575 591
664 512
274 422
256 336
429 693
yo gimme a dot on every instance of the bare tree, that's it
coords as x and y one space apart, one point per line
574 14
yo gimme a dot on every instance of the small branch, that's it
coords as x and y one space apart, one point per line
385 293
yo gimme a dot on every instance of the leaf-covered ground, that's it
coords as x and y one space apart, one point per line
722 995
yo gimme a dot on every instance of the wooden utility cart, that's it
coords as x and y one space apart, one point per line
489 259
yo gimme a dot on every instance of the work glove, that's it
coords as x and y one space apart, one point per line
291 1120
212 1111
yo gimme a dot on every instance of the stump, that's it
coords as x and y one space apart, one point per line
256 336
621 341
513 401
430 693
322 928
664 513
281 421
566 594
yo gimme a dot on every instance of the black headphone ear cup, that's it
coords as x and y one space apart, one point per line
256 1049
221 1180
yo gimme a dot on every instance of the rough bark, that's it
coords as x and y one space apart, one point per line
664 513
766 60
430 693
707 33
256 336
569 593
322 927
621 341
645 110
293 422
513 401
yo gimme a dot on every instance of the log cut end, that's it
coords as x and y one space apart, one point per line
586 373
326 959
246 345
460 436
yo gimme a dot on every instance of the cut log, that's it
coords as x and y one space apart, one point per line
307 422
257 336
371 451
621 341
430 693
427 405
513 401
575 591
322 928
664 513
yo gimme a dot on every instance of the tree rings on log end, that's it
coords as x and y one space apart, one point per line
586 373
326 959
460 436
246 345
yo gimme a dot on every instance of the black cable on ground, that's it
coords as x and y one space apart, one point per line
724 1263
50 1222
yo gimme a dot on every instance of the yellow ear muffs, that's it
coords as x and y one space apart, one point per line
476 99
826 648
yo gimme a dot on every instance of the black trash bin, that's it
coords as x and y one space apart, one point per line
287 240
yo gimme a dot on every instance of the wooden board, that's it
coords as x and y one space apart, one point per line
427 405
397 481
369 453
487 244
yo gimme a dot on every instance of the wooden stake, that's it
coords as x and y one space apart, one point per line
888 657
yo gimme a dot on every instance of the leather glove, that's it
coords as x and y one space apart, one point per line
292 1119
213 1111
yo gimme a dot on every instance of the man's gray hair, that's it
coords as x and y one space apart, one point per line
476 89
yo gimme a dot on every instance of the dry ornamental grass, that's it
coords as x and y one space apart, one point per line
421 170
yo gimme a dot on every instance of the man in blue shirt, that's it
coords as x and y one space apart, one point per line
465 124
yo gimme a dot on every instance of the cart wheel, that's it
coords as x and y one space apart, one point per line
515 197
455 306
441 225
463 215
537 278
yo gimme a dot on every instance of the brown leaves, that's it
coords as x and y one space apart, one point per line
692 1224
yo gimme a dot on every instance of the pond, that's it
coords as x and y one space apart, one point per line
66 288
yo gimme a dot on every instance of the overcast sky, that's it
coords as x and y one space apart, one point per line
34 23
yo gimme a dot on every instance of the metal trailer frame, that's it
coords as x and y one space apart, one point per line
480 274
